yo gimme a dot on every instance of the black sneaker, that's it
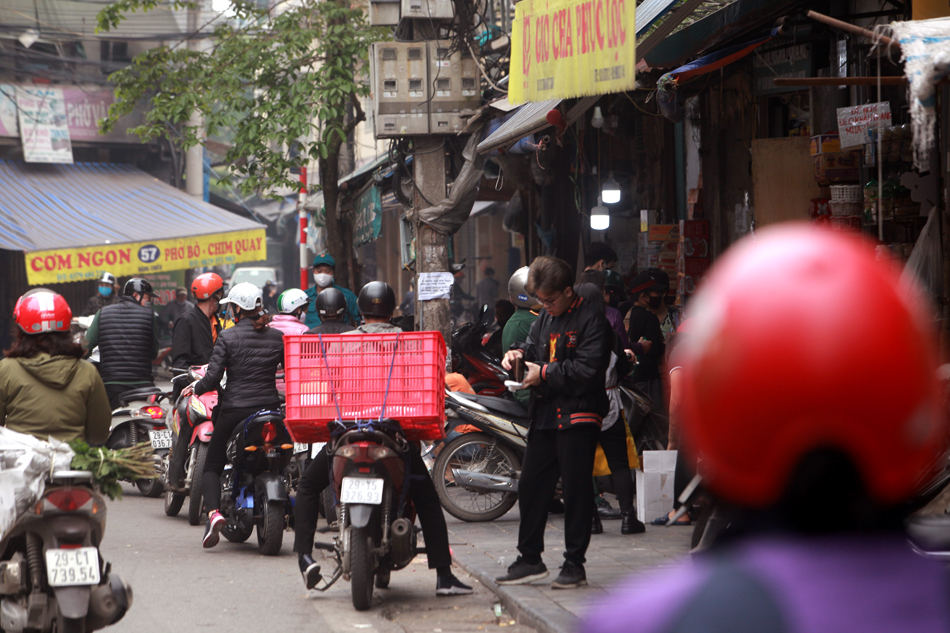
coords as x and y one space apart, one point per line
522 573
605 510
451 586
309 570
572 575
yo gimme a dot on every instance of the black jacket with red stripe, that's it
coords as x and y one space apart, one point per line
573 350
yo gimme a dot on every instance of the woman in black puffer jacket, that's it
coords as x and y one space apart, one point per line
251 352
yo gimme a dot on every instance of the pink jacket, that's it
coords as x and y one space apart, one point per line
288 324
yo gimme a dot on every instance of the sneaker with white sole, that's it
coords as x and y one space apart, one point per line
216 523
572 575
451 586
310 570
521 573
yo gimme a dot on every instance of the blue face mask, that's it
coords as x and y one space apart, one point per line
105 291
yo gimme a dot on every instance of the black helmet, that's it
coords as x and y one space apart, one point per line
137 285
613 280
331 303
377 299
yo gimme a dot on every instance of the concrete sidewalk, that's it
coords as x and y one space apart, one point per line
486 550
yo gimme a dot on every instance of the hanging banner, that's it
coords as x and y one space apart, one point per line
368 218
572 48
142 258
43 131
854 121
8 124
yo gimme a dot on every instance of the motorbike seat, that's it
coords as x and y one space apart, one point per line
508 408
138 394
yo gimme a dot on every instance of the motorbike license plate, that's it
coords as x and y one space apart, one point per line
160 439
68 567
300 448
359 490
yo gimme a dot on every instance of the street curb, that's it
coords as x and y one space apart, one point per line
524 602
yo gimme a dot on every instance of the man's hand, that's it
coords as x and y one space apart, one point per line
646 344
508 361
187 391
532 375
630 355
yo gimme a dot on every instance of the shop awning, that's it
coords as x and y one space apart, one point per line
531 118
76 221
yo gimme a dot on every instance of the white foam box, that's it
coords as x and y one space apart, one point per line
655 461
654 494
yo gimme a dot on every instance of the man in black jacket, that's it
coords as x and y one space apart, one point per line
648 292
127 335
566 357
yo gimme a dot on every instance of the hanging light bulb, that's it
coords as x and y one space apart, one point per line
599 217
611 191
597 120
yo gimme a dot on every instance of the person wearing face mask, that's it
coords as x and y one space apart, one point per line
292 309
323 268
127 335
106 295
642 322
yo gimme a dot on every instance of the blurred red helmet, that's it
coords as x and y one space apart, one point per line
801 340
42 311
205 285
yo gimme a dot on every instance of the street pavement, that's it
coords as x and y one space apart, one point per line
178 586
490 547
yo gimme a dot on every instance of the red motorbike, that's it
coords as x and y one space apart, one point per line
470 358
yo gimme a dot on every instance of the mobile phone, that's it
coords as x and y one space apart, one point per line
517 369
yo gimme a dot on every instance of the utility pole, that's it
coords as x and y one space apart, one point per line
432 247
195 156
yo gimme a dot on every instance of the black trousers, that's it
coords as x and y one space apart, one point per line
421 490
568 454
225 423
614 443
176 465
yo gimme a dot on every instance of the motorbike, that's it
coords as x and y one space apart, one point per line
140 423
197 412
254 484
472 360
52 576
476 473
374 517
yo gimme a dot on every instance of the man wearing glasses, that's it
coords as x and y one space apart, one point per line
566 357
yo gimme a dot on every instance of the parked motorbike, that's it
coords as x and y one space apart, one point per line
52 577
375 515
254 485
472 360
196 412
142 422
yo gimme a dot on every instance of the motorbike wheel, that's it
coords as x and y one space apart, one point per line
195 501
270 528
362 567
173 503
481 453
239 534
326 505
151 488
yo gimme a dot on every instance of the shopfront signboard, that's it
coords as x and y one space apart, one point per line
572 48
854 122
43 131
144 258
368 218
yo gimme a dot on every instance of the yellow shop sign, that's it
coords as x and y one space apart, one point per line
572 48
141 258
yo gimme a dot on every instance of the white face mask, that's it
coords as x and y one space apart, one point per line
302 317
323 280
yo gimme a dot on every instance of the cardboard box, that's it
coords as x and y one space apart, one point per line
825 144
664 233
840 167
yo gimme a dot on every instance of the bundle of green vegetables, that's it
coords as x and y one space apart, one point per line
110 466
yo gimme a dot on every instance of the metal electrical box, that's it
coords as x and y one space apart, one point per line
384 12
399 76
453 79
431 9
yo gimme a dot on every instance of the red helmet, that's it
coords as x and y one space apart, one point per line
802 340
205 285
42 311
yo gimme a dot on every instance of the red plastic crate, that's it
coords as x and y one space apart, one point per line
356 368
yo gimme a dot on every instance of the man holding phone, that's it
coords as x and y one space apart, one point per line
565 358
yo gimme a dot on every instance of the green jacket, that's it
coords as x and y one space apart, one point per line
59 396
516 331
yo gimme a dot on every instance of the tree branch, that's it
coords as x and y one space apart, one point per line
358 117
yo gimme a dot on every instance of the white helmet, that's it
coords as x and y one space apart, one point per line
517 293
246 296
291 299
